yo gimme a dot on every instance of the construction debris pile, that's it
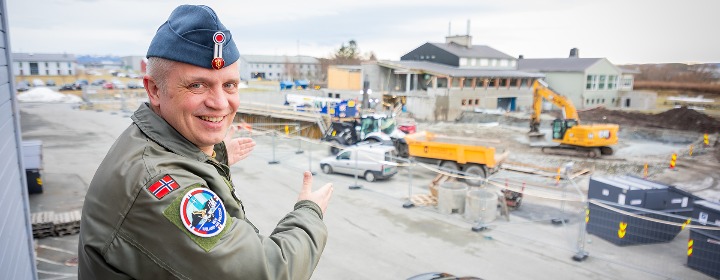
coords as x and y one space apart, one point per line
678 118
49 223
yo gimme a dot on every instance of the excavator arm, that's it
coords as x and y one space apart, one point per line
542 91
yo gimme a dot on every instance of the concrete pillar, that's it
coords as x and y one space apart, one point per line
407 82
434 82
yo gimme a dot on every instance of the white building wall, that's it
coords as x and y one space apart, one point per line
16 241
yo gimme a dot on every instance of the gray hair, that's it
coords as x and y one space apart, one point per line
158 69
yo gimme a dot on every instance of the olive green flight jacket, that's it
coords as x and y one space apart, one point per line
126 232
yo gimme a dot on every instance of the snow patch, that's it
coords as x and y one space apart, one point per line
43 94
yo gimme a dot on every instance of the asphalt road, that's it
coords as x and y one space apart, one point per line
371 235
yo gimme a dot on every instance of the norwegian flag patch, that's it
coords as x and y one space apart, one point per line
163 187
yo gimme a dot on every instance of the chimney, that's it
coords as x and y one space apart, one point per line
521 56
574 52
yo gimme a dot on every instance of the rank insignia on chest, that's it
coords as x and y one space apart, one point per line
163 187
202 212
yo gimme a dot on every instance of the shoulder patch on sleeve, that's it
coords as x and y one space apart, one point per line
163 187
200 214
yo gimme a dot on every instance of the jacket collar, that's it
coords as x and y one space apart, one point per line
157 129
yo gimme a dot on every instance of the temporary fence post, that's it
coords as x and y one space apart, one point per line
310 158
297 130
273 161
580 253
356 153
409 203
562 219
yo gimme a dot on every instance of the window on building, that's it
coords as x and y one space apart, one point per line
513 63
46 65
58 64
269 65
47 72
612 82
613 101
34 69
463 102
69 65
468 83
491 82
601 84
270 74
432 57
524 82
480 83
587 101
591 82
484 62
473 61
503 63
477 101
422 57
442 82
70 72
463 61
503 82
456 82
493 62
58 72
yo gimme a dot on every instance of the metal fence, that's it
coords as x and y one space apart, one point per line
553 212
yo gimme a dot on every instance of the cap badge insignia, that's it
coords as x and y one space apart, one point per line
218 62
202 212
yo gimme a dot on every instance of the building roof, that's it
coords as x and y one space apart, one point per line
39 57
478 51
570 64
446 70
279 59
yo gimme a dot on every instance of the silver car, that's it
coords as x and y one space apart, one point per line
370 161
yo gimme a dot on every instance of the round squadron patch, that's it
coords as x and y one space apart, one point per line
202 212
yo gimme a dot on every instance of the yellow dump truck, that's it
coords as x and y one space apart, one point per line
474 157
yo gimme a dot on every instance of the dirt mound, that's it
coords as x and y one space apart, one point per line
678 118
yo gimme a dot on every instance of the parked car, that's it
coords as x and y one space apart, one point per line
67 87
98 82
108 86
371 161
22 86
50 83
79 84
441 276
134 85
118 85
38 83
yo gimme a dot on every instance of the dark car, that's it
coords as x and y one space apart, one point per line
50 83
79 84
441 276
98 82
67 87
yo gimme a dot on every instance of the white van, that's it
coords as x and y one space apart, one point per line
371 161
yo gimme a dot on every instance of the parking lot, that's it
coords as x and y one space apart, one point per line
372 236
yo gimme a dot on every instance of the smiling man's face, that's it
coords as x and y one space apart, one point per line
199 103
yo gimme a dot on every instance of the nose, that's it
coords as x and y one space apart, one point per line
217 98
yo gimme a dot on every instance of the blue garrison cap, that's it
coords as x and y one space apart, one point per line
190 35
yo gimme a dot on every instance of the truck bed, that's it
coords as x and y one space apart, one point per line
462 150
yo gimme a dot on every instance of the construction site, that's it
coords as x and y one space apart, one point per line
547 213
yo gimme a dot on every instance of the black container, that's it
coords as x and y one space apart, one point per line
606 224
34 181
637 192
705 255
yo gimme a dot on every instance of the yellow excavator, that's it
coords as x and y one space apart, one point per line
569 136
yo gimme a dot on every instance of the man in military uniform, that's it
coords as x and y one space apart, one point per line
162 204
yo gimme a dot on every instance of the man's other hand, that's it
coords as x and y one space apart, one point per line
321 196
237 148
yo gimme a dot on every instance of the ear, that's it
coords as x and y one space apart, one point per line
152 90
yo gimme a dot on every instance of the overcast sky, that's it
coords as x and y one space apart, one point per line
624 31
